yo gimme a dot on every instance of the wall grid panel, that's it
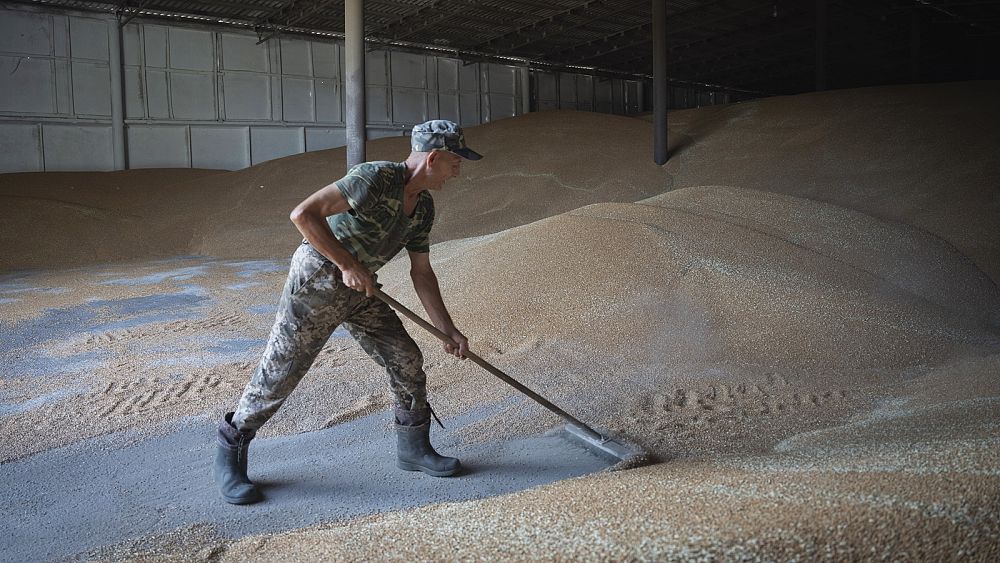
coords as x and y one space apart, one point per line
209 96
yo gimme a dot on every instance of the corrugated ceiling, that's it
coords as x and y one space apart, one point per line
761 46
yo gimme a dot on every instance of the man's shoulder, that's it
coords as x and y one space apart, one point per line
377 169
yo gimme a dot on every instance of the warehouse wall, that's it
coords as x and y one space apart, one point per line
212 98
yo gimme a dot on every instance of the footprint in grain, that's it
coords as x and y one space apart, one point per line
131 397
724 402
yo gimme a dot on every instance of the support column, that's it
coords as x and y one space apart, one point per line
660 81
822 31
915 27
354 73
117 71
525 74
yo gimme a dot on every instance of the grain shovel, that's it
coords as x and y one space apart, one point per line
583 433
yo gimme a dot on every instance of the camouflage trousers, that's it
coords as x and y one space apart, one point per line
313 303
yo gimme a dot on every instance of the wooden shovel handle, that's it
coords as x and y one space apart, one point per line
486 365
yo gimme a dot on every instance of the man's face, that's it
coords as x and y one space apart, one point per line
441 167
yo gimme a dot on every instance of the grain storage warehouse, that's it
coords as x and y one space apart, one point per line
730 267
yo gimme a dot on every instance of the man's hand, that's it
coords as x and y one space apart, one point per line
460 339
359 278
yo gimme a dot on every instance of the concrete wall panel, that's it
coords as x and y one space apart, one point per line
192 95
409 106
448 107
469 109
60 35
468 77
502 79
63 87
268 143
296 57
135 95
248 96
547 88
26 33
408 70
224 148
276 98
241 52
631 96
321 139
154 39
298 99
89 39
602 95
325 62
375 69
329 108
584 92
158 146
430 73
191 49
20 148
567 90
77 147
27 86
377 133
91 89
377 105
447 74
157 94
502 106
131 44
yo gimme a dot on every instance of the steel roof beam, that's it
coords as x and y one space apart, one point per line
421 19
644 30
501 42
549 32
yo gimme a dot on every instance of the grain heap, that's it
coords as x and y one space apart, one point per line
140 214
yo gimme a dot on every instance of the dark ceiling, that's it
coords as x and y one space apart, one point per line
768 47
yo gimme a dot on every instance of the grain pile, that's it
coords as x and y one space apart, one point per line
799 312
93 218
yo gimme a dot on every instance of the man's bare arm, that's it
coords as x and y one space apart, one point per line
309 218
426 285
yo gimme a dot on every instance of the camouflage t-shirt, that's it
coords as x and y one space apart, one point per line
376 227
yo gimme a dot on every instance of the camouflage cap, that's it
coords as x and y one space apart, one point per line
441 134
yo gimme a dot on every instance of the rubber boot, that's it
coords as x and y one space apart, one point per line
413 445
231 464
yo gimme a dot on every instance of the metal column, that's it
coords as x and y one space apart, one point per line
525 74
117 71
915 28
659 81
354 70
821 35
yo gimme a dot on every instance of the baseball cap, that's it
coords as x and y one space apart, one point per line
441 134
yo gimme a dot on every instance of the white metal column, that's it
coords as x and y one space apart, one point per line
116 70
354 66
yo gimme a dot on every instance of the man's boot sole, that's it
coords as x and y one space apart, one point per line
406 466
243 500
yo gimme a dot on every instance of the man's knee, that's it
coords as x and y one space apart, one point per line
408 360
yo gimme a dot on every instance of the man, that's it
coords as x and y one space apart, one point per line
352 227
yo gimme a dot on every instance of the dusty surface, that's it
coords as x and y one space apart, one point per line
799 314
